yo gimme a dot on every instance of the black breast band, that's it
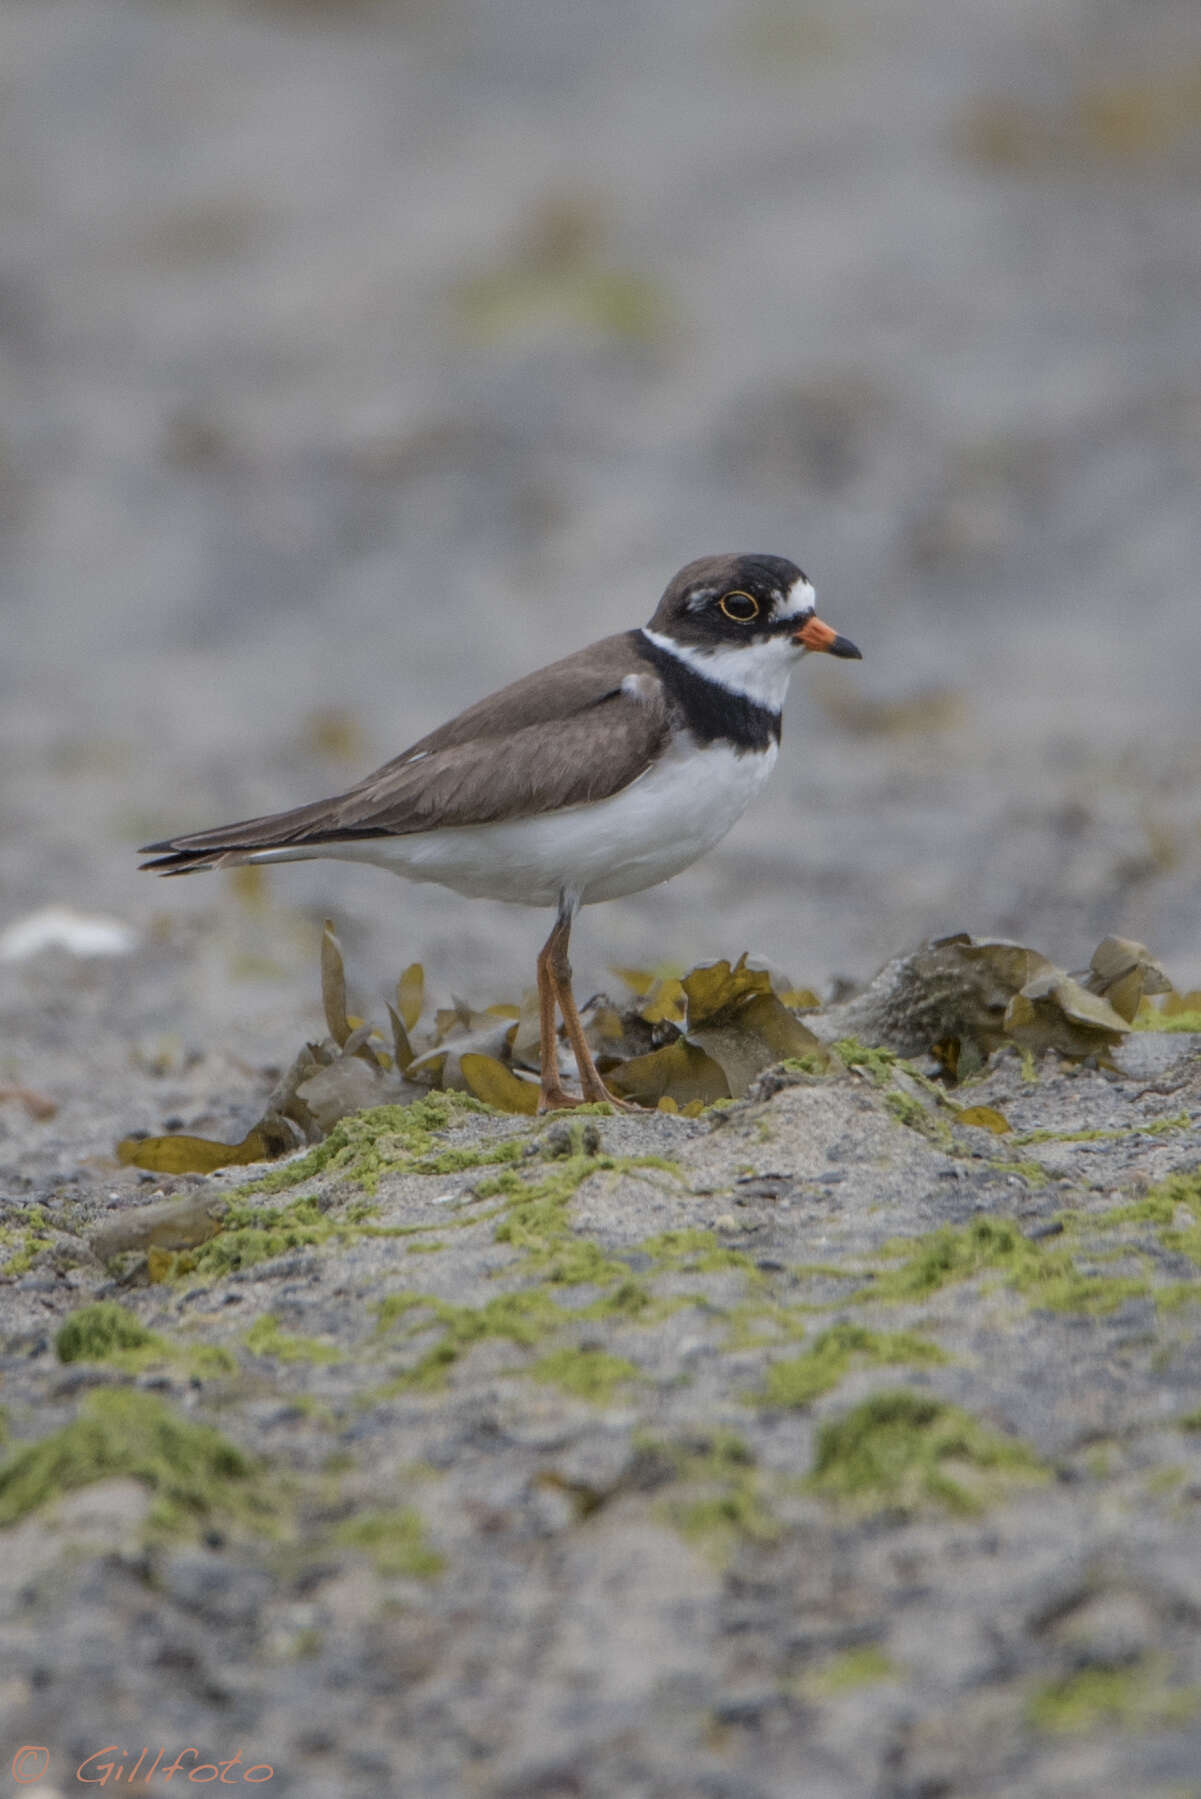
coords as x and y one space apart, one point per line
713 713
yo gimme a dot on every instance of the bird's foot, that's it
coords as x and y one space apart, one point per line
604 1098
596 1093
557 1099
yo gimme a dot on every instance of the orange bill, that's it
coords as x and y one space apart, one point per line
816 635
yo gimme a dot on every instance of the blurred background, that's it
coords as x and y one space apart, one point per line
355 358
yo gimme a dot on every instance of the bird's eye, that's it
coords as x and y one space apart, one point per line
741 607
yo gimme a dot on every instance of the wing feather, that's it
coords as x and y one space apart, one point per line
539 768
580 730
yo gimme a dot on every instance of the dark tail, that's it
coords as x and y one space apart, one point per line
229 845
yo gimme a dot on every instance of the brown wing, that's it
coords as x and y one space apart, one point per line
562 690
568 734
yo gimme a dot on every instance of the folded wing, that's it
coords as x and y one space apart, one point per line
575 732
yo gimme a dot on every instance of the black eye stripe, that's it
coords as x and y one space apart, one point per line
785 627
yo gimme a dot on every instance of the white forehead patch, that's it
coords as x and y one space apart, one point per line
799 599
699 598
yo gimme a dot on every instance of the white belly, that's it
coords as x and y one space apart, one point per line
643 835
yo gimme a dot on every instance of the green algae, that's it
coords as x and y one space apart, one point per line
832 1356
901 1451
908 1110
367 1145
878 1064
1156 1127
253 1234
534 1220
697 1252
1172 1212
584 1373
720 1519
765 1324
1159 1204
26 1244
951 1253
718 1498
395 1541
816 1064
1137 1697
523 1319
1167 1021
569 1135
100 1332
1162 1483
1102 1460
194 1473
108 1332
1053 1276
309 1406
265 1338
1163 1207
1032 1172
571 293
533 1214
1175 1294
536 1217
569 1262
1047 1275
882 1067
631 1300
1092 1295
458 1159
846 1673
923 1104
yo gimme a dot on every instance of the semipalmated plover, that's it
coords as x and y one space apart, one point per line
600 775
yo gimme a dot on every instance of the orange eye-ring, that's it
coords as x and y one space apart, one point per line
741 607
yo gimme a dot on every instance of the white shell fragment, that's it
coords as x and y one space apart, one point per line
62 927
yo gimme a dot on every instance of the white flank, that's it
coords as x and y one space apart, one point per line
684 804
759 670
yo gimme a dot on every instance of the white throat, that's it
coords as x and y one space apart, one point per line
756 671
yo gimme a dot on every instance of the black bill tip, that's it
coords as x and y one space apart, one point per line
842 646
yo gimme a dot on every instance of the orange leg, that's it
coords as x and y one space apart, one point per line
552 1096
554 988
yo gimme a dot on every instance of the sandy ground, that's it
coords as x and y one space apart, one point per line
356 358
